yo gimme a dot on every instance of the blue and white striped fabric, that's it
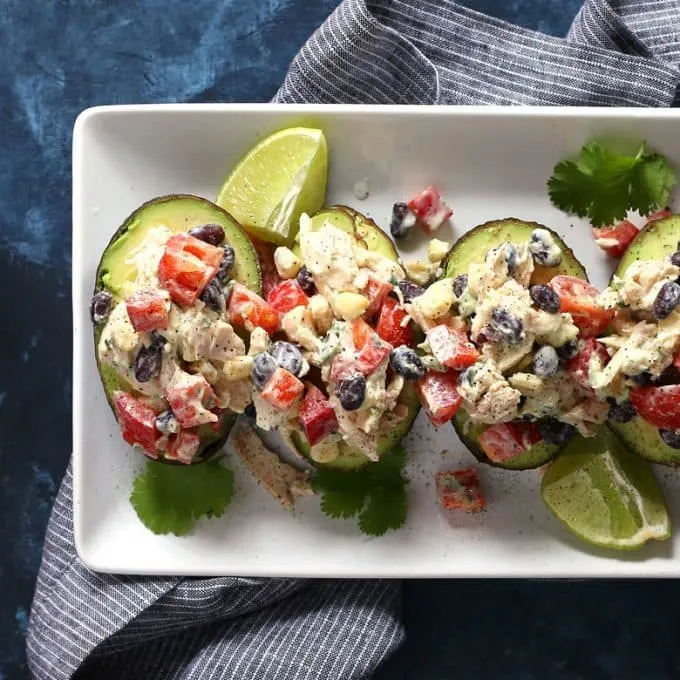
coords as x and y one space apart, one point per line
87 625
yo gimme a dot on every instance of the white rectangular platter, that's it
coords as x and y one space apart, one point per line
489 163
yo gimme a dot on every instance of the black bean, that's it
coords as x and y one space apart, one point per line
545 298
546 362
511 257
644 379
148 363
527 417
554 431
226 264
568 351
167 423
306 282
100 307
264 366
251 411
403 220
209 233
667 300
670 438
351 392
460 283
675 258
158 340
410 290
505 327
621 413
213 296
288 356
669 376
406 363
543 248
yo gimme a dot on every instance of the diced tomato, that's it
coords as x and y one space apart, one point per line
659 215
282 389
287 295
183 446
579 367
317 415
137 422
579 298
265 254
391 327
147 310
191 397
249 310
431 210
371 355
187 266
620 234
503 441
451 348
460 490
439 396
361 331
659 406
376 291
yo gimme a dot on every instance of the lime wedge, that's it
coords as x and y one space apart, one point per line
279 179
605 494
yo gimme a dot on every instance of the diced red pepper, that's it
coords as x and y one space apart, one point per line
147 310
183 446
659 215
249 310
371 355
376 291
579 367
451 347
317 415
286 296
460 490
431 210
361 331
659 406
265 254
282 389
187 266
391 327
620 235
439 396
191 397
503 441
579 298
137 422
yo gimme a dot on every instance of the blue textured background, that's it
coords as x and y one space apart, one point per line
58 57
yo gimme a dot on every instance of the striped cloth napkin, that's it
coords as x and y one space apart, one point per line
88 625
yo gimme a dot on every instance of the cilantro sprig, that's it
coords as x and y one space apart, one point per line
603 183
376 494
169 499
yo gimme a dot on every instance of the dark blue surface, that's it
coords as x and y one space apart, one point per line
58 57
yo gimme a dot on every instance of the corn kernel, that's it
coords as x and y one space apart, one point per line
322 314
419 271
287 263
436 301
349 306
436 250
238 369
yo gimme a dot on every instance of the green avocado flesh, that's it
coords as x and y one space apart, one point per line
179 213
472 248
654 242
369 235
534 457
349 458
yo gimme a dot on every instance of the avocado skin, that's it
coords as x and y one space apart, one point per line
472 247
654 242
248 259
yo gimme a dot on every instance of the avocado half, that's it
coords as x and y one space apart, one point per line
180 213
654 242
370 236
472 248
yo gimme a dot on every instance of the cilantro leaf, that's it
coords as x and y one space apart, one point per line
169 499
603 183
375 493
